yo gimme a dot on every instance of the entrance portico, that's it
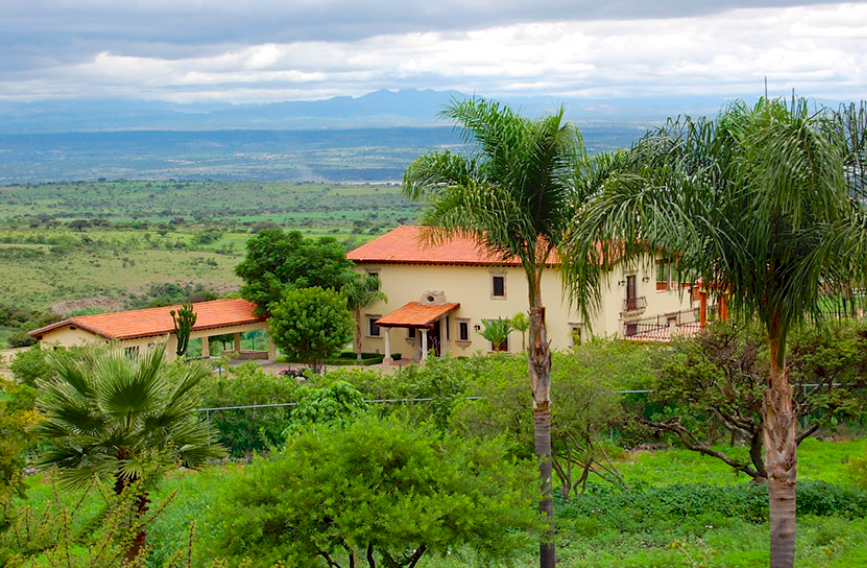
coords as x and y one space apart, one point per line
424 317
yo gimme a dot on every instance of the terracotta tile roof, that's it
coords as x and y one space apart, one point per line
406 245
415 314
158 321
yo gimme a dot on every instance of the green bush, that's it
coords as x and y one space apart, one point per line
248 430
383 492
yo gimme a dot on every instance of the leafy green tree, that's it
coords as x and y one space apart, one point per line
587 407
29 366
717 380
310 325
275 259
515 194
521 323
379 492
121 419
497 332
362 292
765 205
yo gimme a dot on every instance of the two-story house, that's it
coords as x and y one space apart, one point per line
439 296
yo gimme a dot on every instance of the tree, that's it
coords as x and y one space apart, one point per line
310 325
379 492
521 323
361 293
183 320
587 407
497 332
764 205
275 259
715 383
515 195
121 418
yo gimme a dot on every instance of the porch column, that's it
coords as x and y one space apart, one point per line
206 349
237 342
387 359
423 343
272 350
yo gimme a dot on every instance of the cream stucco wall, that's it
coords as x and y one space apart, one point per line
472 287
66 337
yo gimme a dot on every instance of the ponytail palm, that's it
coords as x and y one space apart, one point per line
515 195
758 204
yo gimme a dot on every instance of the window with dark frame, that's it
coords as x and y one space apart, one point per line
499 283
410 333
373 330
663 275
464 330
378 279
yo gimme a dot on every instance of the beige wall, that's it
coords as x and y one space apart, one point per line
65 337
471 286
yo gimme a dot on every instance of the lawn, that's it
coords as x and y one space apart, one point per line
596 538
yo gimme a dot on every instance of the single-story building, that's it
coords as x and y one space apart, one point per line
136 329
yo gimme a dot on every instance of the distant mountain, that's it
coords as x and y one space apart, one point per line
378 109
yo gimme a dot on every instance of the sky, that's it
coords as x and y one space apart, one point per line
243 51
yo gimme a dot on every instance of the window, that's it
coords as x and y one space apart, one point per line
499 286
504 346
375 274
131 351
464 330
373 329
574 335
410 333
663 275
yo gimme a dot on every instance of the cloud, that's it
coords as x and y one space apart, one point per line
242 51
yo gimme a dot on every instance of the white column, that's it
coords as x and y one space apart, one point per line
206 349
387 332
423 344
238 342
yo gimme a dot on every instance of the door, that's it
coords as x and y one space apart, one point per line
433 339
631 293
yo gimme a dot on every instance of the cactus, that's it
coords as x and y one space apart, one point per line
184 320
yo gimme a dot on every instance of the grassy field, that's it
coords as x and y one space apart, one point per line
609 538
72 246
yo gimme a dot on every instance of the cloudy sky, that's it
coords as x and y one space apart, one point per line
275 50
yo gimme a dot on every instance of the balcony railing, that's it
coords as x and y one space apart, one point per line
634 304
664 326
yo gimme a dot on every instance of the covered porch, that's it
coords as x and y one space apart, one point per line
425 320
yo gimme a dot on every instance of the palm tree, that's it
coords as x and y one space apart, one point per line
361 293
515 195
756 203
122 418
497 332
521 323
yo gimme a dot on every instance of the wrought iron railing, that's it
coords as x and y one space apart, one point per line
635 303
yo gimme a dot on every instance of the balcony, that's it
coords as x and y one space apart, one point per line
634 305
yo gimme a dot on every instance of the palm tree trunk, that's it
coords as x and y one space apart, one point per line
539 367
781 456
141 507
358 335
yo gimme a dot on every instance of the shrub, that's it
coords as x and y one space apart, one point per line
248 430
382 492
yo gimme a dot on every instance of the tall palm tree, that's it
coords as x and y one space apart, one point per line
121 418
756 203
515 194
361 293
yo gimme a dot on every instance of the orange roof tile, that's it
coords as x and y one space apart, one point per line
407 245
158 321
414 314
